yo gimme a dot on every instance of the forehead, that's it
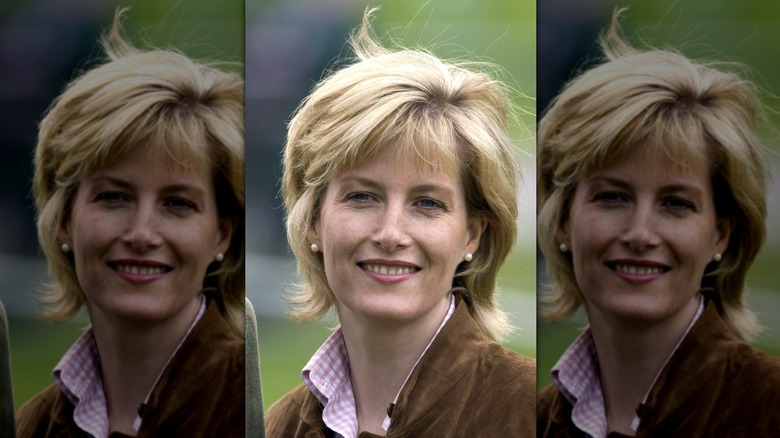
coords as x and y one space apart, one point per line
406 161
173 157
670 154
650 167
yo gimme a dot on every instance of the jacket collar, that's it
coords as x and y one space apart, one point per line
187 375
417 398
689 372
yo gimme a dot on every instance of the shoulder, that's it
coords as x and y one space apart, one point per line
285 416
754 370
500 388
501 364
36 416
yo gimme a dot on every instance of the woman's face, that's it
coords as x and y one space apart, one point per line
392 236
641 233
142 235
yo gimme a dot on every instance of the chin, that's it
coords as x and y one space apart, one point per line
638 311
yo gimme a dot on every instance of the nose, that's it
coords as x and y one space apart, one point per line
640 231
141 233
391 233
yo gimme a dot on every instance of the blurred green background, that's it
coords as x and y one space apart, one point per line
744 32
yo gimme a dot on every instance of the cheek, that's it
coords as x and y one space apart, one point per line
588 231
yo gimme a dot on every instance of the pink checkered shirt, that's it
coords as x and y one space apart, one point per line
327 377
78 377
576 375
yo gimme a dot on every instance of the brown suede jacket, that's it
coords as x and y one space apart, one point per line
200 393
713 386
464 386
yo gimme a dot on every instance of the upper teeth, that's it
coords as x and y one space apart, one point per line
390 270
140 270
639 270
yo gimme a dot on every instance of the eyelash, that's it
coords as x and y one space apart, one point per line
110 197
354 197
176 203
436 205
609 197
680 204
181 204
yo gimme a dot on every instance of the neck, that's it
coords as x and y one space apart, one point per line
132 356
631 355
381 356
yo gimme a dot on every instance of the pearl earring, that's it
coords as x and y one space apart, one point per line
468 257
717 257
65 247
563 247
219 257
314 247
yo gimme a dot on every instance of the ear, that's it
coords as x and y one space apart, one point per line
724 226
63 234
312 234
476 226
226 228
562 234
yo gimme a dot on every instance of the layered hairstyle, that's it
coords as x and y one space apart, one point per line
446 115
693 114
188 113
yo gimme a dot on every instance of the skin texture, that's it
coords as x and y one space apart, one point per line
145 213
390 212
658 222
392 235
641 232
143 233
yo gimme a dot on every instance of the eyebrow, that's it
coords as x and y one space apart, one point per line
670 188
421 188
172 188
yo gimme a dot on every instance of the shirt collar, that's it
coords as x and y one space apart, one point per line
327 377
576 375
78 376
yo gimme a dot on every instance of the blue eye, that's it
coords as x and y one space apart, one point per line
360 196
181 204
679 204
609 197
428 203
110 197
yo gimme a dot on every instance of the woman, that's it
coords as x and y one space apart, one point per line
400 190
139 191
652 205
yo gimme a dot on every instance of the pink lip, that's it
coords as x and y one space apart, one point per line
637 271
145 270
388 278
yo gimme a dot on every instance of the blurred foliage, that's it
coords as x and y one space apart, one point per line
502 33
205 30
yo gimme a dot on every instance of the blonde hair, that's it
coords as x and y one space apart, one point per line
159 100
690 113
441 114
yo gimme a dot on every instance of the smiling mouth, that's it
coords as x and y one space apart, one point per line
638 269
139 269
389 270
